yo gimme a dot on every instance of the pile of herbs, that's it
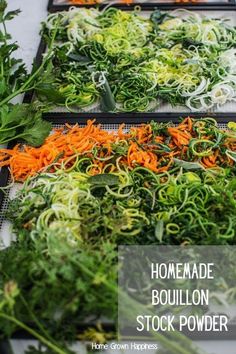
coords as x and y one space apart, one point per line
122 61
13 72
17 121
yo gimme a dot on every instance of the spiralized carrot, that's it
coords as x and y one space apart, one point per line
27 161
190 140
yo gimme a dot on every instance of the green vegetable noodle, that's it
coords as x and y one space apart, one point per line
68 222
123 61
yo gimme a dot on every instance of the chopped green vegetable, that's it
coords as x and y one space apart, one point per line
105 179
68 223
232 125
126 62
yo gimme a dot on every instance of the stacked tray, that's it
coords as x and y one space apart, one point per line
110 121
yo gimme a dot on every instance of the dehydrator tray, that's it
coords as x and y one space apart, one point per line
110 123
162 107
59 5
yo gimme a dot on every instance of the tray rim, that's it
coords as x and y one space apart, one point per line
133 118
151 6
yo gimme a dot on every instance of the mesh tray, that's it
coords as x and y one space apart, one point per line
58 5
5 178
163 107
5 236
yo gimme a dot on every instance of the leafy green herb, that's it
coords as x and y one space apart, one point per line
158 17
104 179
159 230
231 154
232 126
12 71
21 121
14 79
188 165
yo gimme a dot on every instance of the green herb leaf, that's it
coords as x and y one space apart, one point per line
79 58
231 154
11 14
14 115
158 17
159 230
232 126
50 91
22 121
36 134
3 6
192 177
105 179
188 165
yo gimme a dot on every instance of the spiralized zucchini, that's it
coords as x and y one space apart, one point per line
127 206
127 62
119 186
